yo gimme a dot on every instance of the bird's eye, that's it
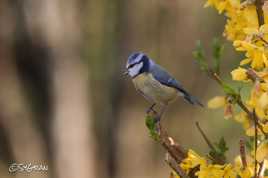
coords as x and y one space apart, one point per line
130 66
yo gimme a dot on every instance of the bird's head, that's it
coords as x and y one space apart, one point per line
137 63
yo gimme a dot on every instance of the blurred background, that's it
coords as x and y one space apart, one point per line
64 102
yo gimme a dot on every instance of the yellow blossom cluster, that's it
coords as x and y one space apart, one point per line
206 170
249 35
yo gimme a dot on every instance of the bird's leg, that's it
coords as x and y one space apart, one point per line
158 118
162 111
151 108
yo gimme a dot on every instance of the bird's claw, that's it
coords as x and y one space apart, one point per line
157 118
149 110
157 122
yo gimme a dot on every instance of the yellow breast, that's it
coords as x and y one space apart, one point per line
154 90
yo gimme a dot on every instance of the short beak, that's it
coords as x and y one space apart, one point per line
125 73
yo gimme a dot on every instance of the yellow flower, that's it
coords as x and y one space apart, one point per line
239 74
238 167
258 101
265 127
264 75
262 151
223 5
256 53
251 131
243 118
264 86
216 102
251 16
221 101
263 101
192 160
260 113
229 172
238 20
238 162
245 61
228 111
259 31
265 11
210 171
173 174
234 26
245 173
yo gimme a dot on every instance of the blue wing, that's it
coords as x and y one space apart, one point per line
165 78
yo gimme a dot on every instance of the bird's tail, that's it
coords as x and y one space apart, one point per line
191 99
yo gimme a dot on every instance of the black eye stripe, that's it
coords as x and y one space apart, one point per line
130 66
134 64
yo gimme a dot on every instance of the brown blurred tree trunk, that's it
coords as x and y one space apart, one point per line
73 141
16 116
52 28
105 25
72 132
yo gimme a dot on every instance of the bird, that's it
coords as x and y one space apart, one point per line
154 83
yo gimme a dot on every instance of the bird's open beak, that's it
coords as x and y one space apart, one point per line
125 73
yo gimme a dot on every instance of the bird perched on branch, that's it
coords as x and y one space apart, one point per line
154 83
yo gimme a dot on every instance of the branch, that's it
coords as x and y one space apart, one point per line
252 116
255 144
172 163
204 136
243 153
237 96
253 76
263 40
261 170
215 158
259 4
176 153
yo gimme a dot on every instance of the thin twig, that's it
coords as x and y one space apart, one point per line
217 78
247 3
252 116
176 153
253 76
243 153
215 158
255 144
261 170
259 4
263 40
173 148
172 163
204 136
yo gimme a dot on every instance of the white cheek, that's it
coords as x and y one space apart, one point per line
133 71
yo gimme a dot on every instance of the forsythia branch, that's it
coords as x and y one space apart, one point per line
215 157
204 136
243 153
173 164
237 97
175 152
261 170
255 144
259 4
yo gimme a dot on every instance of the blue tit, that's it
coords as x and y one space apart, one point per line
154 83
